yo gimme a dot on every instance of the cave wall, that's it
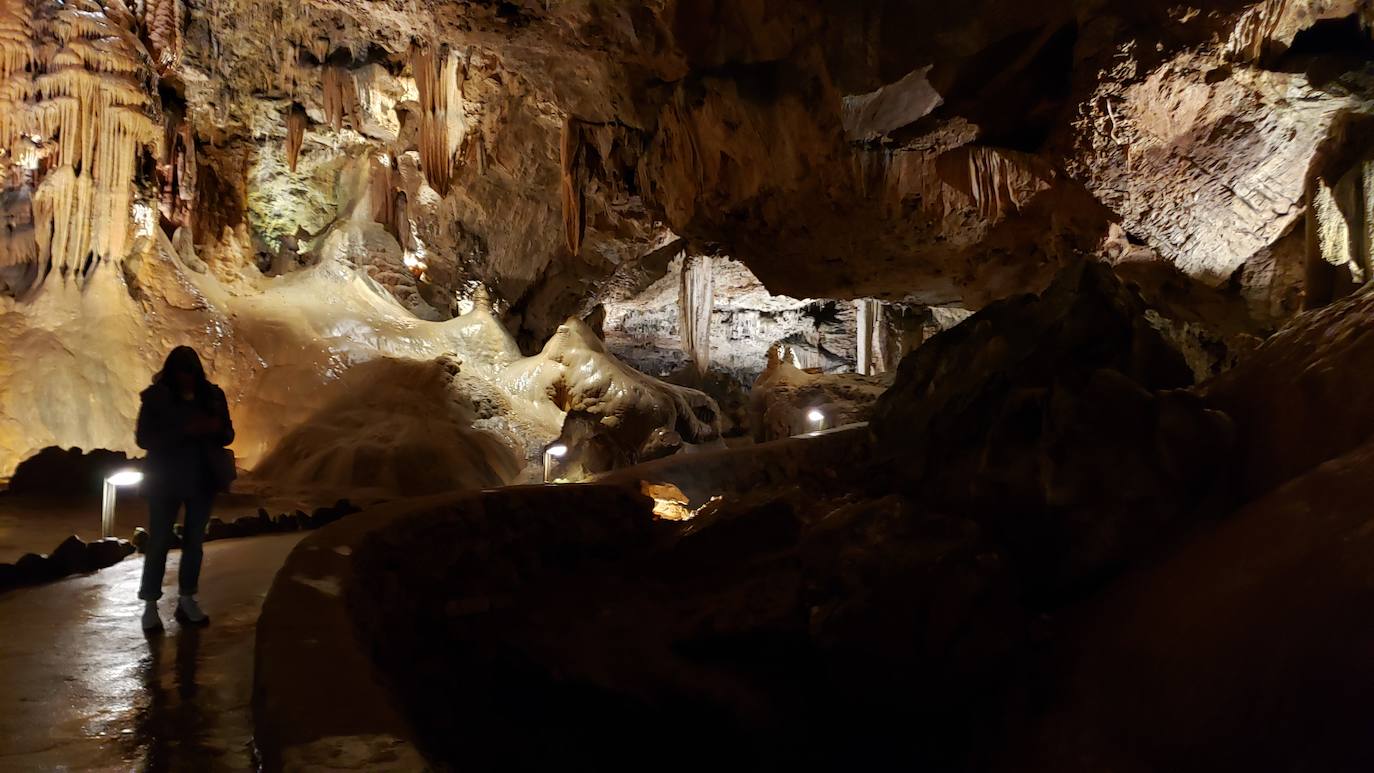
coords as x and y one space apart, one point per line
548 156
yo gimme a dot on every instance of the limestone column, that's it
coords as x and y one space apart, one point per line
696 302
872 332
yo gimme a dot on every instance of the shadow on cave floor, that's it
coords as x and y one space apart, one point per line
85 690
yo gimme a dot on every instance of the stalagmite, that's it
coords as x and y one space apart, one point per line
872 333
696 304
296 123
573 185
437 79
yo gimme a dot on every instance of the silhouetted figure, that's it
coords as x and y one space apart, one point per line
184 425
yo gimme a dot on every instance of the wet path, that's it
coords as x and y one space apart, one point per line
81 687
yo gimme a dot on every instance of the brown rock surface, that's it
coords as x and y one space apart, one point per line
1057 422
1299 400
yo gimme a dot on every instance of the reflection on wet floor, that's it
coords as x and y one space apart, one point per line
85 689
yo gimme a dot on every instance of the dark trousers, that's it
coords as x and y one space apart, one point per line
162 516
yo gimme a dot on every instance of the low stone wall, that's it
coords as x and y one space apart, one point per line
351 599
802 461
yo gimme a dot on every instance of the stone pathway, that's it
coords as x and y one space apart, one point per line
82 688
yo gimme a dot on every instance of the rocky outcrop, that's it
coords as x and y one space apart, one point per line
1299 400
1058 422
723 614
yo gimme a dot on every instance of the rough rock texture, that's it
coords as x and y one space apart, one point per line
1236 651
708 622
1299 400
1059 422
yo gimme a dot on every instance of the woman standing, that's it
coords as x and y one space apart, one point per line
184 426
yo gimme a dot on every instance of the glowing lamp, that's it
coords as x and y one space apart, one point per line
551 453
817 419
113 483
125 478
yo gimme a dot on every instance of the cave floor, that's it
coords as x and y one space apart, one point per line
84 689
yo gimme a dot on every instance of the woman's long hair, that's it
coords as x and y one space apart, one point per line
183 359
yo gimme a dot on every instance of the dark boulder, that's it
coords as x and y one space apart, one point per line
247 525
69 557
1057 423
218 529
34 568
108 552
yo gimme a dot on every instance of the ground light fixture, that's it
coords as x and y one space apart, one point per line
816 417
551 453
113 483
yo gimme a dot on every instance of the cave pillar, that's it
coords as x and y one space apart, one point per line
696 302
872 333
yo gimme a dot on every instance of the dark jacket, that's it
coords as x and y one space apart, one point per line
179 463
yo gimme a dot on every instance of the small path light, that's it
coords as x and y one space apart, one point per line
817 419
113 484
551 453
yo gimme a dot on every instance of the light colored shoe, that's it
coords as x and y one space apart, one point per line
151 620
188 612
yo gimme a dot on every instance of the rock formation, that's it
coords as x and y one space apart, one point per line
1094 274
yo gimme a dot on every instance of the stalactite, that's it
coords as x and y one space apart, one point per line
17 236
78 105
319 48
438 79
165 22
400 215
17 89
177 170
1253 35
384 181
999 182
339 94
573 185
696 303
296 122
872 334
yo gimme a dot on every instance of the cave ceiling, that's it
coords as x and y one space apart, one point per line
931 152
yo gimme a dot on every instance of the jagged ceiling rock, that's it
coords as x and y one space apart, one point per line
1209 161
840 149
